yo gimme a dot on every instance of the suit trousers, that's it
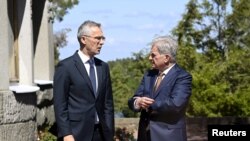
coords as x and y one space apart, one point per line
148 135
98 133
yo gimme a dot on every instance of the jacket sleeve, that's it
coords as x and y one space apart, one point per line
60 91
138 93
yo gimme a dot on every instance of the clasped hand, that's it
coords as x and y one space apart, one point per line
144 102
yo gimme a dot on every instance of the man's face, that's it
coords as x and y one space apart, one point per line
93 43
159 61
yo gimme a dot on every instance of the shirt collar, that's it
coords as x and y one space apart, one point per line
83 57
167 70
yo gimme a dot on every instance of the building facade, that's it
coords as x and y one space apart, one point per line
27 67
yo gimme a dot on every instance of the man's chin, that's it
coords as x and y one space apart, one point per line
98 52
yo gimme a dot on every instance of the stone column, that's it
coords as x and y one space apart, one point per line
43 63
44 50
4 46
17 110
25 43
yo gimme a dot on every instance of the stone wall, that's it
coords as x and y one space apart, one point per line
22 115
17 116
45 108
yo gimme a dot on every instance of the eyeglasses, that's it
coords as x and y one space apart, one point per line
99 38
153 55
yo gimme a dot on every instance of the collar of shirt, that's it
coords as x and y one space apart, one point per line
83 57
85 60
165 72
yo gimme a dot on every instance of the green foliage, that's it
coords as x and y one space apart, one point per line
186 57
60 41
217 44
126 75
214 41
214 47
123 134
45 135
218 86
59 8
238 24
48 137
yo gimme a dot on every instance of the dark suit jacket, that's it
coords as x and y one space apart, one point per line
166 116
75 103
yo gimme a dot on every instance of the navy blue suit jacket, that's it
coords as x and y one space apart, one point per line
166 116
75 103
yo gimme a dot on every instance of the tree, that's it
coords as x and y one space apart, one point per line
238 32
215 48
60 41
59 8
126 75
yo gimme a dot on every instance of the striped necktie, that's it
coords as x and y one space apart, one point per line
158 81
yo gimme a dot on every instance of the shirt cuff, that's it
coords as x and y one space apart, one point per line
136 105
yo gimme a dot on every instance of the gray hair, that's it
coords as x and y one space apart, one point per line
85 29
166 45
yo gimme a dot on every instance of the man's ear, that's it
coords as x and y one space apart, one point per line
83 40
167 58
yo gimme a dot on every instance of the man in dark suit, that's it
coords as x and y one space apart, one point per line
163 95
83 100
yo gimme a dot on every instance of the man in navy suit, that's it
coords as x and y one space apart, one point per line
163 94
83 100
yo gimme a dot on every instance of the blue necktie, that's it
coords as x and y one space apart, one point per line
92 74
93 82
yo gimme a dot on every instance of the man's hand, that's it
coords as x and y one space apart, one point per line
68 138
144 102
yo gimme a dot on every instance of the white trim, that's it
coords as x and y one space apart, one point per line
43 82
24 88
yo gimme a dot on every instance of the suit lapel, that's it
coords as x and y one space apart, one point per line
167 79
152 84
82 70
99 75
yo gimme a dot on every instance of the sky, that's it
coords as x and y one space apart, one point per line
128 25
